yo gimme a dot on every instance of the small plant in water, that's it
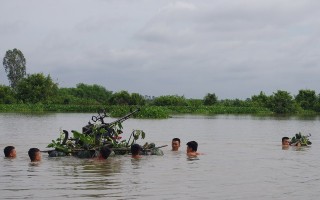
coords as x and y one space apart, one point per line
300 139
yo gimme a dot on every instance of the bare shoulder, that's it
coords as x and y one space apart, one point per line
194 154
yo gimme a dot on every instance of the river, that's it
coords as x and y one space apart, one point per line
242 159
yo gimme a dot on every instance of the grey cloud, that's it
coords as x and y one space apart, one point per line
235 49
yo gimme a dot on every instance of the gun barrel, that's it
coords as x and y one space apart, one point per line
123 118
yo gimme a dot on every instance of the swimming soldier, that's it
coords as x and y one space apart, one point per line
175 144
10 152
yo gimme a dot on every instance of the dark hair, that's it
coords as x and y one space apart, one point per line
285 138
105 151
193 145
176 139
32 153
7 150
135 149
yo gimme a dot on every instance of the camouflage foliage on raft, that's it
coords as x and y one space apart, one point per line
301 139
97 134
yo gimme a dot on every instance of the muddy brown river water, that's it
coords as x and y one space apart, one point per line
243 159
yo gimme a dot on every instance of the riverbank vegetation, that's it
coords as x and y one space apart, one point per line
38 93
30 96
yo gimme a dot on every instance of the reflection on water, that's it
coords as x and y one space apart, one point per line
192 158
243 159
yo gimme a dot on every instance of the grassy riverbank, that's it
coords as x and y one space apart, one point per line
156 112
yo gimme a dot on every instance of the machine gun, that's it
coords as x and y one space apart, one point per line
109 127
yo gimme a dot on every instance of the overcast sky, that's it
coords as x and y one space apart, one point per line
234 48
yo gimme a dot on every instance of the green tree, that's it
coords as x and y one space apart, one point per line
307 99
210 99
195 102
235 103
15 66
6 95
170 100
282 102
137 99
317 104
83 94
36 88
96 92
120 98
261 100
65 96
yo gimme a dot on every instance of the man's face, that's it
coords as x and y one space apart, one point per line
189 150
13 153
38 156
175 145
286 142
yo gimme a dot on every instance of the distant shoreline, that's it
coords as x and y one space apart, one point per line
147 112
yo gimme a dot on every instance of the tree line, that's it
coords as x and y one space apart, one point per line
41 89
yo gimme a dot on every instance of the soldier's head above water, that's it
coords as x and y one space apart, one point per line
10 152
34 154
135 151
